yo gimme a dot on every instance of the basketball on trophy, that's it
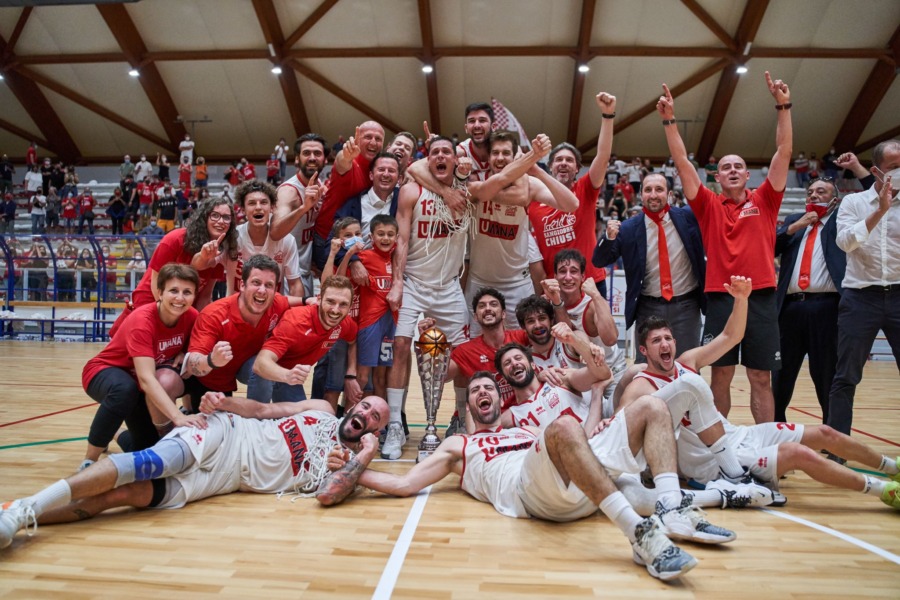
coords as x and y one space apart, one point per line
433 341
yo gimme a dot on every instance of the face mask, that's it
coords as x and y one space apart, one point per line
820 209
895 180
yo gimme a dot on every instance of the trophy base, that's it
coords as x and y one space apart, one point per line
428 445
423 454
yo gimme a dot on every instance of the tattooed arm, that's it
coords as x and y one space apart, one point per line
342 481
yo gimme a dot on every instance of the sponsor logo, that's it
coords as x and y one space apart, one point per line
559 229
293 437
498 230
164 345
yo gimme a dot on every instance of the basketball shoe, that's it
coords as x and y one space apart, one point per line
457 425
14 516
392 449
744 495
663 559
688 522
890 495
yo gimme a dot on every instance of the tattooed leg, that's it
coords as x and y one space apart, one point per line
136 494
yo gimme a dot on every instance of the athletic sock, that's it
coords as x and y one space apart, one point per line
726 458
461 396
888 466
874 486
395 403
53 496
668 490
616 507
705 498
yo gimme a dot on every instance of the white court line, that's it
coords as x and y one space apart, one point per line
398 555
843 536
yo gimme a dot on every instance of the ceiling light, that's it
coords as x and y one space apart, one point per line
583 68
427 69
1 77
276 69
134 73
741 70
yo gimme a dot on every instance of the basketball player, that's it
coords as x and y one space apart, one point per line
262 448
558 474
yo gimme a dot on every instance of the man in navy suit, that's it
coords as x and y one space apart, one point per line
808 294
672 288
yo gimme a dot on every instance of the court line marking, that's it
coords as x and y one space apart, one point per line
840 535
58 412
859 431
392 569
43 443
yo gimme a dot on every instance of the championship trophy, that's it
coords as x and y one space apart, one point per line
433 358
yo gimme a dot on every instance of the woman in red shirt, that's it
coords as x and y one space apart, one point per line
135 379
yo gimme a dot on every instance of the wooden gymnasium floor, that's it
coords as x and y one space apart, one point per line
824 543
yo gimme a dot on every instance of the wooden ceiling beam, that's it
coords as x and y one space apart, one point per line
711 23
44 116
582 57
94 107
426 29
271 27
870 96
25 135
129 39
17 30
748 27
650 107
890 134
309 22
342 94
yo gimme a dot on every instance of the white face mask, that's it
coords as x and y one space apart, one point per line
895 179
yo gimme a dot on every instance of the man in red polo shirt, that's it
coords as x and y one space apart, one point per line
305 335
230 332
738 229
554 229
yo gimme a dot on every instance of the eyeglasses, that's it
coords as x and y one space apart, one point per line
214 216
823 179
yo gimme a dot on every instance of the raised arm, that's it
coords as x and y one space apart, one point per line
597 170
546 189
784 136
290 207
690 181
733 333
488 189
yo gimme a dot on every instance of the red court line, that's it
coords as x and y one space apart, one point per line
47 415
860 431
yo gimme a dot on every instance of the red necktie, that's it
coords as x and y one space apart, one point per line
806 261
665 274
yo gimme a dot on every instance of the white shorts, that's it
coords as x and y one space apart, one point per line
217 452
545 495
446 305
513 293
759 449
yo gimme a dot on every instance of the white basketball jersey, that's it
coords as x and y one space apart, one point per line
499 252
480 170
557 357
493 460
288 453
660 381
547 405
283 252
303 230
615 356
435 254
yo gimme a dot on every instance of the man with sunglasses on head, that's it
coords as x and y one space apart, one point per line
868 230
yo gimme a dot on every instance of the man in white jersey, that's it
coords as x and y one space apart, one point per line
298 202
767 450
427 264
479 125
500 240
262 448
257 199
557 474
578 303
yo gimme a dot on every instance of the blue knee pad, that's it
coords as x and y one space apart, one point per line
168 457
147 465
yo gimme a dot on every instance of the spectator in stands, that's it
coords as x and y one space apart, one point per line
162 163
201 174
52 217
86 204
153 229
137 263
126 169
166 209
143 169
273 168
711 168
31 157
58 179
829 166
69 214
38 204
184 172
116 210
8 216
208 238
46 171
33 180
183 204
135 377
281 153
65 274
187 149
7 171
248 171
232 177
87 266
813 167
111 264
37 264
801 168
623 190
70 182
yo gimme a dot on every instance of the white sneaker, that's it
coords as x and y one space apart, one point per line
14 516
457 426
743 495
85 464
688 522
663 559
392 449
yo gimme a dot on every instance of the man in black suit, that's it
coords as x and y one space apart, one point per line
672 288
808 293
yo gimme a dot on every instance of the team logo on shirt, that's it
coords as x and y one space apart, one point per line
178 340
749 210
279 257
552 399
383 283
483 359
498 230
273 321
559 230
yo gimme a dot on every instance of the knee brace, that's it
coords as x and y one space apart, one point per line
168 457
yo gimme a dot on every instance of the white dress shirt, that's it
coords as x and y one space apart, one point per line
873 257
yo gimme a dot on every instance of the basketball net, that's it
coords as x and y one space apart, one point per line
314 468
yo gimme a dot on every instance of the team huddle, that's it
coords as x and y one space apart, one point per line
477 240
